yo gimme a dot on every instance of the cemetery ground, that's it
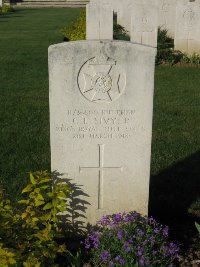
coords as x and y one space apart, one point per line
24 117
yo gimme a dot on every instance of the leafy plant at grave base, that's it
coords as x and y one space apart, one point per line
7 256
31 237
193 59
163 40
77 31
120 33
166 52
130 240
6 9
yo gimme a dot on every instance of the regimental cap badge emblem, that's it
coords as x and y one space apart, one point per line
101 80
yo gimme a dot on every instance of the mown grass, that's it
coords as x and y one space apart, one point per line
24 113
175 167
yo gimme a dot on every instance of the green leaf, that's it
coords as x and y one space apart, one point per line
24 215
23 201
45 181
48 206
50 194
35 219
44 187
27 188
40 197
197 226
39 203
37 190
32 179
7 207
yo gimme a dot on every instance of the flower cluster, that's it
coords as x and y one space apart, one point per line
131 240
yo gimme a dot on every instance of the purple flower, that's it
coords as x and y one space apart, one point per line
152 221
105 255
111 263
154 252
156 230
105 220
87 244
110 234
165 231
142 261
120 259
131 239
140 233
171 250
118 217
139 253
93 239
119 234
127 246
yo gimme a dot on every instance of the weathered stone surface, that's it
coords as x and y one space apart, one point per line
101 103
187 34
144 24
99 23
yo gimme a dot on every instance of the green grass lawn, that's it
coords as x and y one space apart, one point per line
24 117
24 112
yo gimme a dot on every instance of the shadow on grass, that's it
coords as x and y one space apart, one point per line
172 191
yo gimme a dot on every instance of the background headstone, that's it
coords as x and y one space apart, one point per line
167 14
144 24
187 34
124 9
99 21
101 104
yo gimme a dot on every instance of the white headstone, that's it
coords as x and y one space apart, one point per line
144 24
101 104
124 9
167 14
99 21
187 34
1 2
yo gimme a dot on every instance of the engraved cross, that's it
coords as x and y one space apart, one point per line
101 168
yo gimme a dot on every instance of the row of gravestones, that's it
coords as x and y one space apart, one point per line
142 17
101 109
